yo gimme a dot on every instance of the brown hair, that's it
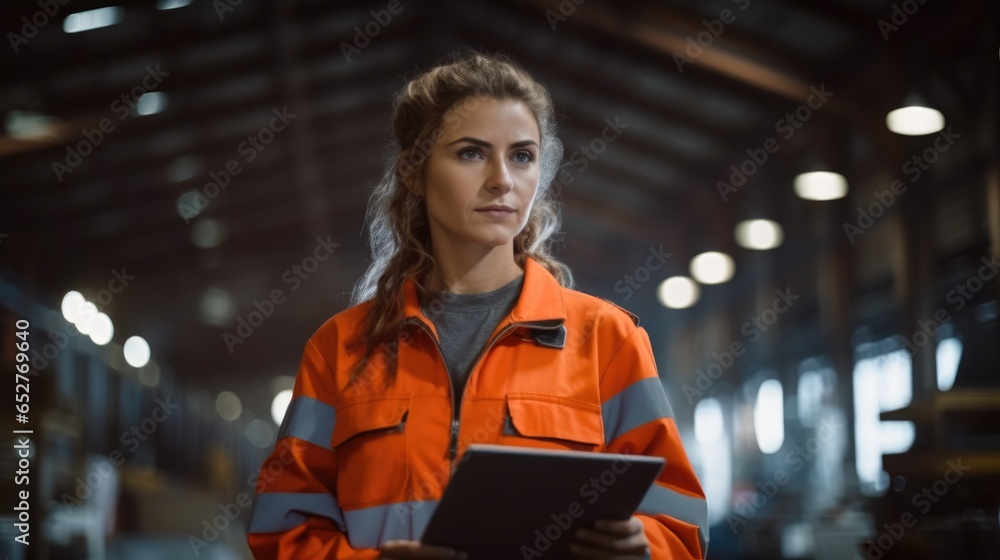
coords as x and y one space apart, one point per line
397 218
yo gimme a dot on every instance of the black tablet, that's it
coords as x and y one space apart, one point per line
525 503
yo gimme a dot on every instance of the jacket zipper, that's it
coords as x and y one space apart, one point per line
503 332
454 425
453 441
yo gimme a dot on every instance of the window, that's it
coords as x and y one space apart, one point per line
882 382
769 416
814 385
715 456
948 354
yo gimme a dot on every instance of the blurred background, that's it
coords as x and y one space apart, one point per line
800 200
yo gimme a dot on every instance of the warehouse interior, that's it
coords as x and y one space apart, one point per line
799 200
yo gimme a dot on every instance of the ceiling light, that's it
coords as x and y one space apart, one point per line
217 306
151 103
93 19
171 4
228 405
260 433
184 168
678 292
136 351
208 233
759 235
712 267
280 405
820 185
101 329
914 120
189 205
85 317
71 303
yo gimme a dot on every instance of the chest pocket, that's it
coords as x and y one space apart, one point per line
549 421
370 442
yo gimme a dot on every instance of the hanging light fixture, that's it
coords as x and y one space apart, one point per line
820 185
915 117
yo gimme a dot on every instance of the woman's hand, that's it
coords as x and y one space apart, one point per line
611 539
405 550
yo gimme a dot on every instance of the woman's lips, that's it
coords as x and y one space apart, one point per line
496 213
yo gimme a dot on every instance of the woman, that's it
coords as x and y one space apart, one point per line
466 330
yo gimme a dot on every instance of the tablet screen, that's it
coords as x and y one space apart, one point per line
516 502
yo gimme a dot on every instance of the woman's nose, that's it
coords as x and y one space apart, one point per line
499 178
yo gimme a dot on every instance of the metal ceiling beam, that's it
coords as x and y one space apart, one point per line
646 26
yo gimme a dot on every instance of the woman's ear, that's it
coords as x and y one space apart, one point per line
411 183
411 186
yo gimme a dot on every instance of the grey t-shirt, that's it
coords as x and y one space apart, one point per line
464 323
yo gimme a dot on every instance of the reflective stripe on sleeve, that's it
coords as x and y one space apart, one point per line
641 402
371 527
689 509
310 420
274 512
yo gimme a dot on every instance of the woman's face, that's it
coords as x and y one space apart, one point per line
487 155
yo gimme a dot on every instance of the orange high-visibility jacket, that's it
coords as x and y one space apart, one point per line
356 465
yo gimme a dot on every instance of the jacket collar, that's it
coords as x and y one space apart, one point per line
539 306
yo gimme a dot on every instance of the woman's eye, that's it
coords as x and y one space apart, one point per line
524 157
462 153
